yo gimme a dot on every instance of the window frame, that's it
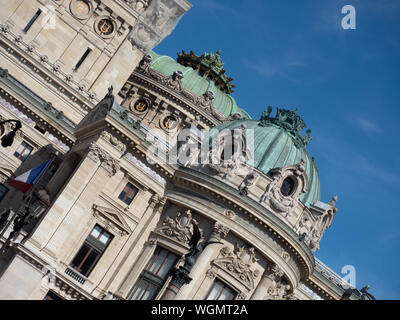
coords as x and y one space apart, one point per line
20 155
94 246
151 278
125 196
225 285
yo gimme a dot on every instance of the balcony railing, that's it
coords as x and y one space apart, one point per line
76 276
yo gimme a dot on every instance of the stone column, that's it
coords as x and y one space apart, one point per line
268 282
140 250
203 261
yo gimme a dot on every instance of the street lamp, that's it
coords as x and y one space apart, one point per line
36 205
8 139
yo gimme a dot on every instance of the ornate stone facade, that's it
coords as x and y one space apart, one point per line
114 188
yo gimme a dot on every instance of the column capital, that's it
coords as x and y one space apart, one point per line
97 154
157 202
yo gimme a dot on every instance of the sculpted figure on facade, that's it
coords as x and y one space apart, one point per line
180 228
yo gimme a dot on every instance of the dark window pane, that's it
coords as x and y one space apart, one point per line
89 262
52 296
128 193
287 187
91 251
32 21
154 276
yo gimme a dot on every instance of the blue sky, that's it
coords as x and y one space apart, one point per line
345 83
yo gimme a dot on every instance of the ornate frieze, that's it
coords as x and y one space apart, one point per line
239 263
31 51
145 168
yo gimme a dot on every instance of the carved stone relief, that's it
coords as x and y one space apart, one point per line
97 154
281 203
239 263
114 141
179 229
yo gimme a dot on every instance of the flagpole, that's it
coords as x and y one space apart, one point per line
23 210
34 187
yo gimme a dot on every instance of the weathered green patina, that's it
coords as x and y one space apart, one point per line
197 84
277 143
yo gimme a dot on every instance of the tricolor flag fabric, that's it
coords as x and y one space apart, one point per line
26 180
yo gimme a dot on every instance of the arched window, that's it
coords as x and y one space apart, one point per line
287 187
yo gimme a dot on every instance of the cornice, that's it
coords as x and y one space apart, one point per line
254 211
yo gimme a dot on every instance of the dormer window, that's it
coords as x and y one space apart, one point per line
287 187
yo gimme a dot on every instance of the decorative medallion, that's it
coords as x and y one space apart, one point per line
141 106
169 123
105 26
81 9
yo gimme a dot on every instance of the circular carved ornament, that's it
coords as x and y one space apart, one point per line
169 123
81 9
139 106
105 26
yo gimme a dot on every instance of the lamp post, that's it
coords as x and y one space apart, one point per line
8 139
36 205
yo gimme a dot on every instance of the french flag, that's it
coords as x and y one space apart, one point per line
26 180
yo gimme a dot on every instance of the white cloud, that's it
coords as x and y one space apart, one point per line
366 124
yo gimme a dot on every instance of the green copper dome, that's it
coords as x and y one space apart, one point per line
275 146
197 84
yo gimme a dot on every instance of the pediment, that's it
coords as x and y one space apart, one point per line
114 216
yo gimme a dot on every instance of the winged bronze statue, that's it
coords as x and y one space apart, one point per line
196 248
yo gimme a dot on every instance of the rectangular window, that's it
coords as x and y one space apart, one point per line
154 275
32 21
91 251
82 59
23 151
3 191
221 291
128 193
